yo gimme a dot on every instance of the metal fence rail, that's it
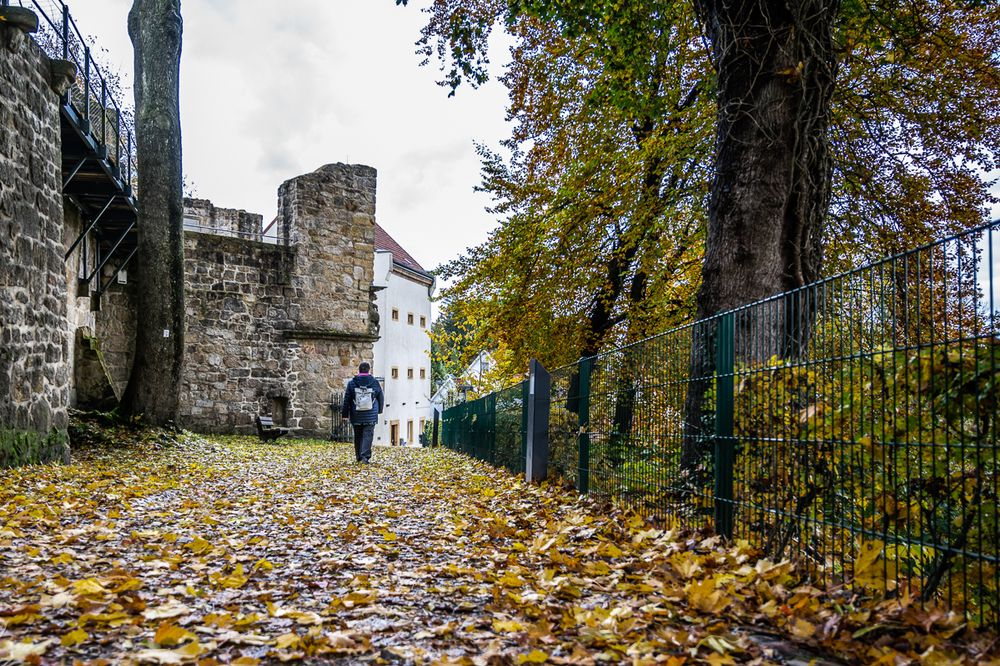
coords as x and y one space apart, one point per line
851 424
93 96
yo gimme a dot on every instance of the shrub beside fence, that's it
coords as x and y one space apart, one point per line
850 424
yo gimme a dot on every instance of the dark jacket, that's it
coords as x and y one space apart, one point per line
347 409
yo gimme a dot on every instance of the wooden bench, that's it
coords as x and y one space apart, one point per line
267 431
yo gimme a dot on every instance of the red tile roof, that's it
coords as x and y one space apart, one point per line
383 241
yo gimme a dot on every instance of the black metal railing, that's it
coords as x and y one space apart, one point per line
851 424
92 98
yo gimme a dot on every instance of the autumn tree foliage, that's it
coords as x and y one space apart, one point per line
826 133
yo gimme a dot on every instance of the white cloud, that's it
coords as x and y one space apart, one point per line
273 90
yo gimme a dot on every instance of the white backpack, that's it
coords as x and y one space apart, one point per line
364 399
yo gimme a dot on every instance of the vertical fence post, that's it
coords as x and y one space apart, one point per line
118 141
65 32
539 387
86 87
104 115
491 428
525 398
725 362
435 431
68 95
583 441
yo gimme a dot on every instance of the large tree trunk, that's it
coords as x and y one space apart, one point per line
153 390
776 67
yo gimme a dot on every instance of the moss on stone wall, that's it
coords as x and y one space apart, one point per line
23 447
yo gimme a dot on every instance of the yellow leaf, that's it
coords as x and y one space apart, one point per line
245 661
597 568
198 546
247 620
74 638
286 641
802 629
221 620
21 618
870 551
130 584
506 626
703 596
510 579
115 619
169 635
171 657
263 564
88 587
533 657
235 580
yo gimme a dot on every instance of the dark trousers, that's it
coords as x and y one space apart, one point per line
363 435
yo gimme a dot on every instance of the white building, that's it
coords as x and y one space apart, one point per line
402 359
449 391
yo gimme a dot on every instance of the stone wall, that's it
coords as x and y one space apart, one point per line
115 328
279 329
34 334
201 215
237 304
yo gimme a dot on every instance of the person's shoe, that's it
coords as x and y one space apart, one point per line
366 462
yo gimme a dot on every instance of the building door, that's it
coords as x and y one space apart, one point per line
409 431
394 433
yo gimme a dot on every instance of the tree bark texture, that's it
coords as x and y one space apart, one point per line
153 389
776 68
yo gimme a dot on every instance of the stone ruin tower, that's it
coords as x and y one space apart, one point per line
329 218
279 329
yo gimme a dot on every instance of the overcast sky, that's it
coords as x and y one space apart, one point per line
272 90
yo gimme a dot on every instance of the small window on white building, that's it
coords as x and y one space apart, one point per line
409 373
409 319
423 322
423 373
395 373
395 314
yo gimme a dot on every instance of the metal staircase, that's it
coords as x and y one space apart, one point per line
98 150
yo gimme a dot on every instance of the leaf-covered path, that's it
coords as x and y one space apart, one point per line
235 552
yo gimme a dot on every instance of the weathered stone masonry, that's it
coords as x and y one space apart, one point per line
34 335
279 329
274 329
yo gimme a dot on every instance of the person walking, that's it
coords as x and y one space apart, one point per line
363 402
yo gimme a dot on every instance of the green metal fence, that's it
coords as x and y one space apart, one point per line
492 428
851 424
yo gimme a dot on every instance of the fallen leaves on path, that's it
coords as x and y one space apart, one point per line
232 552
